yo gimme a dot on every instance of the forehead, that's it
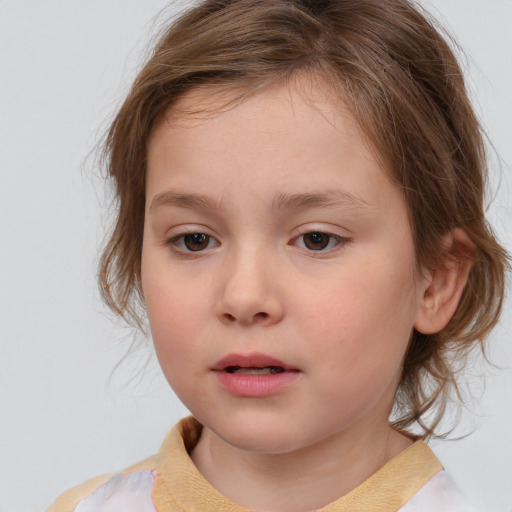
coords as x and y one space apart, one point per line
233 109
312 89
279 136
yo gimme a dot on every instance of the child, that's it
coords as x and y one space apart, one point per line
300 189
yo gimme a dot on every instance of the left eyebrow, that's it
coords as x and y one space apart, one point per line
182 200
337 198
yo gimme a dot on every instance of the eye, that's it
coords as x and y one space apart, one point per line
193 242
318 241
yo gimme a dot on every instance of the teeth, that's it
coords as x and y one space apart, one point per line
268 370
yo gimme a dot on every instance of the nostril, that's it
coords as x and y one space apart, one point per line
258 317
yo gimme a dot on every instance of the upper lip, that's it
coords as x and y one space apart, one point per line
255 360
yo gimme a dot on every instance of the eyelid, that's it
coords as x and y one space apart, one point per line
328 229
188 229
178 233
342 240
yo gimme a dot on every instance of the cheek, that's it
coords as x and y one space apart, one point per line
363 344
356 304
175 326
362 325
176 317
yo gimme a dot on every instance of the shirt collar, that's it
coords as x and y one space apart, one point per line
180 486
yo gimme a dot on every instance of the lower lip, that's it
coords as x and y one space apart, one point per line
255 386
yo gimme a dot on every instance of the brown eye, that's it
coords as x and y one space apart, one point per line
319 241
316 241
196 241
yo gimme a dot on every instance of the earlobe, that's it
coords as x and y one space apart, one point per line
445 283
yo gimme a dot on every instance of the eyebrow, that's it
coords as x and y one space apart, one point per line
336 198
183 200
282 202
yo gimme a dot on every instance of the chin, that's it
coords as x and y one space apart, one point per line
262 442
255 434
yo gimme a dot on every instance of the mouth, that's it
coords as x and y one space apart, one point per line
253 370
254 375
252 364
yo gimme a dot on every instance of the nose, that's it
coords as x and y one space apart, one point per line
249 292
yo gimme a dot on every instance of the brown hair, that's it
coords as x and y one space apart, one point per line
400 79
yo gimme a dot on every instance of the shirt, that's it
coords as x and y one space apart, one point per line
413 481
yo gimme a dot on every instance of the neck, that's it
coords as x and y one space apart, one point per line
299 481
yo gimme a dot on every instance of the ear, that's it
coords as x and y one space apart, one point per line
444 285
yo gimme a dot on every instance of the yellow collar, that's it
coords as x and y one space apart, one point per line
180 487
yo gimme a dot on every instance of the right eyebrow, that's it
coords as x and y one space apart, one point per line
182 200
326 198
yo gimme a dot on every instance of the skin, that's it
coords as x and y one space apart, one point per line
341 315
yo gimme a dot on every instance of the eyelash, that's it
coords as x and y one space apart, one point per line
178 243
338 241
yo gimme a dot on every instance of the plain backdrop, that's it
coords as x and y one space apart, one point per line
66 415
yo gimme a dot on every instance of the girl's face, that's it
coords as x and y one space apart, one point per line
278 269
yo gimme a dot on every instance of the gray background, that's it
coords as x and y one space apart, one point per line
64 66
